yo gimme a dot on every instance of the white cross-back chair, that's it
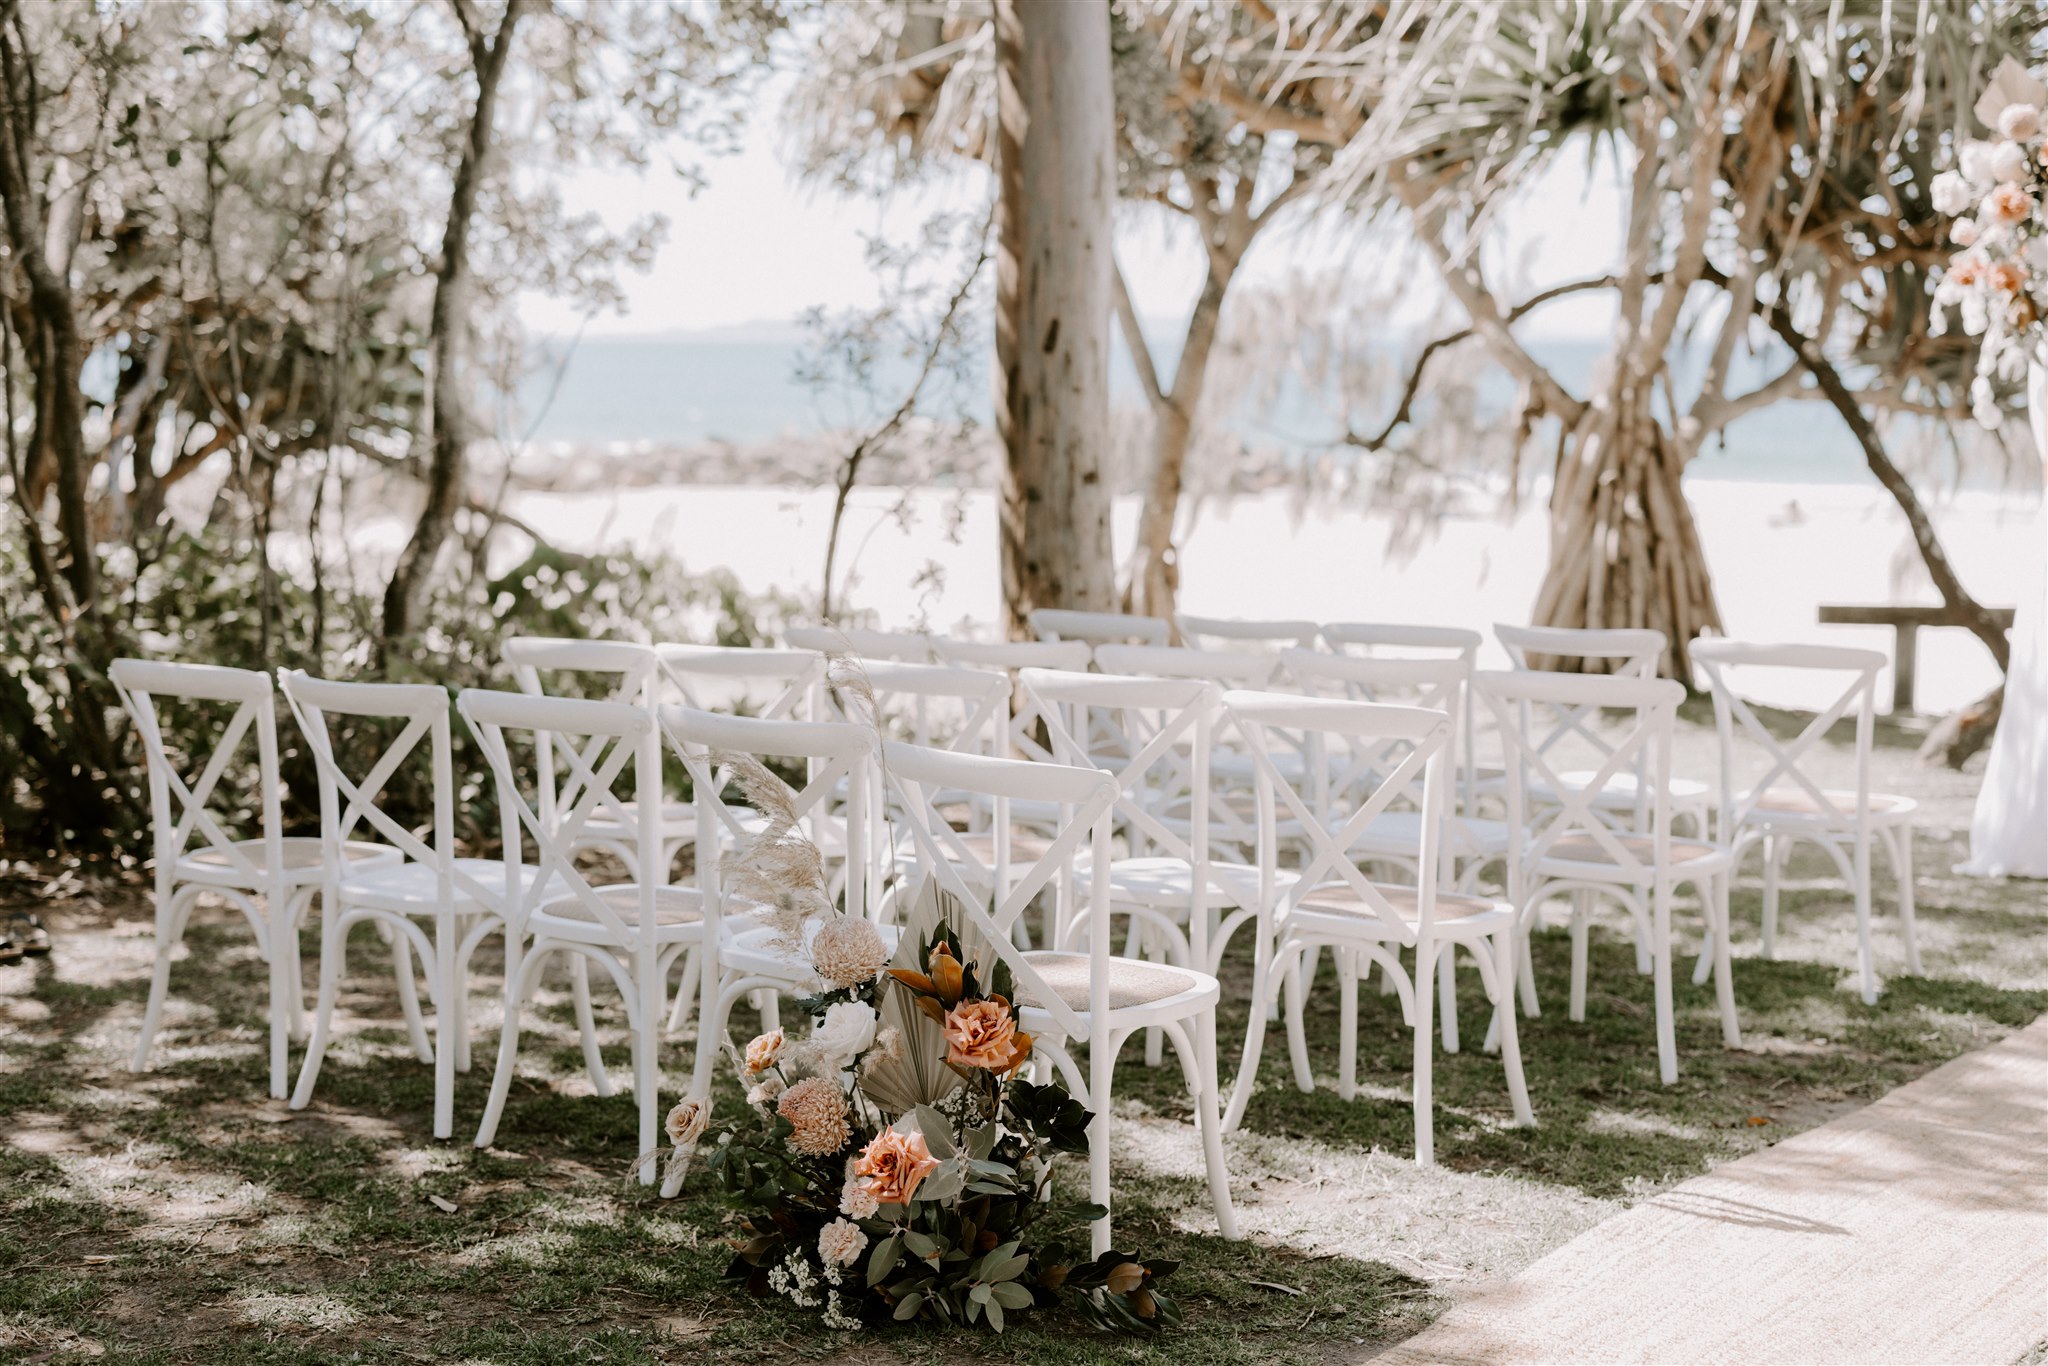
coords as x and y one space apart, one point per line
1332 904
1467 844
1067 996
1786 803
427 884
1160 735
1578 844
1101 628
908 647
1223 633
632 674
635 930
745 955
270 879
1624 651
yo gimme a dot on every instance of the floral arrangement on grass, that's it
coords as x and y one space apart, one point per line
897 1164
1998 279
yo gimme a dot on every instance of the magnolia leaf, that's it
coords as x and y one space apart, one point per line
907 1307
1011 1295
937 1131
883 1259
995 1313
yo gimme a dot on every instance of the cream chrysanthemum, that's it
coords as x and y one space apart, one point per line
848 952
816 1111
841 1242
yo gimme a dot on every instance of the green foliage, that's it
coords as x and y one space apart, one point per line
199 601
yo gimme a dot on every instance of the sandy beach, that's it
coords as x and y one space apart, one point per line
1777 551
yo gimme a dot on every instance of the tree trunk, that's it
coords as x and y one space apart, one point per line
1154 586
56 354
1624 551
450 324
1055 125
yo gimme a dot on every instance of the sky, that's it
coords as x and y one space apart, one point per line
756 246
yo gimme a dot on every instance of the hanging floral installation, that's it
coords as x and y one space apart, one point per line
1998 279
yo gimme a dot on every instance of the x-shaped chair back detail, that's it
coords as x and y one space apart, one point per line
1225 668
631 673
722 677
1400 640
1101 628
836 754
1160 731
1245 633
939 705
1726 662
1439 683
1412 742
1025 735
1084 797
423 710
906 647
597 740
179 809
1646 708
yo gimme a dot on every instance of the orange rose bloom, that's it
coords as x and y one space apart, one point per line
894 1165
2007 277
984 1034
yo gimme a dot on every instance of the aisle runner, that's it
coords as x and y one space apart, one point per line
1914 1230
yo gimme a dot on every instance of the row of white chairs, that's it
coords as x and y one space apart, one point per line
547 907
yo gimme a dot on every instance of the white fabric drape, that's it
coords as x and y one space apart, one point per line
2009 833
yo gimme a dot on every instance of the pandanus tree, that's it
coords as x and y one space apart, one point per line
1762 148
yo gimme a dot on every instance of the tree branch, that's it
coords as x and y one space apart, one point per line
1968 612
1134 338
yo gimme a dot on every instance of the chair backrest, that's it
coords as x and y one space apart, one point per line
1013 654
1438 683
910 647
722 753
1411 745
1631 651
1399 639
596 741
178 808
1083 796
1155 735
1786 774
629 670
938 704
421 709
1224 632
1614 726
773 684
1101 628
1226 668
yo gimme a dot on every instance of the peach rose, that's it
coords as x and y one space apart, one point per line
763 1051
894 1165
2008 204
984 1034
1967 272
2007 277
1963 232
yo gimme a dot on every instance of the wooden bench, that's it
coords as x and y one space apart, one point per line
1905 623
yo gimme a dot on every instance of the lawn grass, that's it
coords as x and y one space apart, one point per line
182 1216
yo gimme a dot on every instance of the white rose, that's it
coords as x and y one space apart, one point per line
1951 194
2019 122
1963 232
845 1034
2008 163
1973 159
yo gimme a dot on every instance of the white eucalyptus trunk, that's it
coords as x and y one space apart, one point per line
1056 125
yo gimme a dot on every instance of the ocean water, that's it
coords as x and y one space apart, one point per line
744 387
